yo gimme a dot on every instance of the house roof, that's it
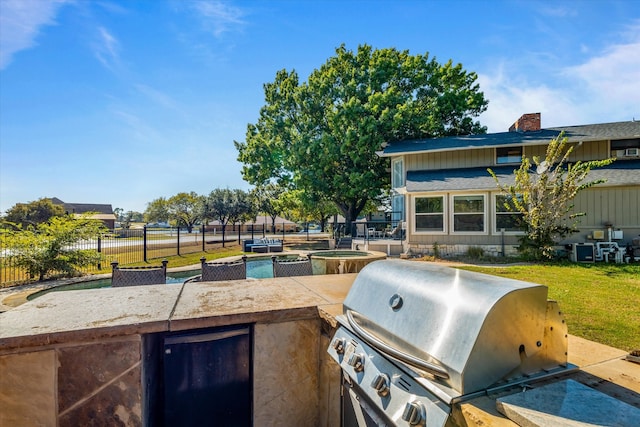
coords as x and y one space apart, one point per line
618 173
80 208
594 132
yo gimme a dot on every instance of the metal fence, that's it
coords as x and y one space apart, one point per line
131 246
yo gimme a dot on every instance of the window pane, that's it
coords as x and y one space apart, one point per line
473 222
429 205
508 155
397 178
468 204
509 222
500 204
398 209
429 223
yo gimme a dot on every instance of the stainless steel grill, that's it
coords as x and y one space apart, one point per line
416 338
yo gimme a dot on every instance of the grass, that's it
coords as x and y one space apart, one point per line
600 302
193 258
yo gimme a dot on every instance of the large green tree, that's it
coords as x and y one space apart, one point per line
542 194
33 213
323 135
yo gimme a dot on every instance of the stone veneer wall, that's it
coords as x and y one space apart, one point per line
101 383
285 373
90 383
453 250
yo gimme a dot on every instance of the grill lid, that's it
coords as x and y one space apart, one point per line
467 329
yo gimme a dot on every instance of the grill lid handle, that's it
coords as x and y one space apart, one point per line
375 342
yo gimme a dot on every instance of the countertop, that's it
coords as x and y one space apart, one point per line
88 314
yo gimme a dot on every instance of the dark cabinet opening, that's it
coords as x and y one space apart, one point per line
206 378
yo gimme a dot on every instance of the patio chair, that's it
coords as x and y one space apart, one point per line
288 268
217 271
137 276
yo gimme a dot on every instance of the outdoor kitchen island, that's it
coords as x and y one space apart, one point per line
87 357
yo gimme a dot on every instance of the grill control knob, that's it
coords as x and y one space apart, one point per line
338 345
414 413
381 384
356 360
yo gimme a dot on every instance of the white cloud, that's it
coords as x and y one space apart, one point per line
20 24
218 17
107 49
611 82
604 88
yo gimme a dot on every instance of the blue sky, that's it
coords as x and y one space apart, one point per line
122 102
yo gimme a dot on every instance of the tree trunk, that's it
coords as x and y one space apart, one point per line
350 210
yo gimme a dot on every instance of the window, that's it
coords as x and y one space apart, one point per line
508 155
397 173
621 148
429 213
505 218
468 214
397 206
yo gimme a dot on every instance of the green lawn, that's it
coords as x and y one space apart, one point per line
600 302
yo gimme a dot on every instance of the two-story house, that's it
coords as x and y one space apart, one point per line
447 199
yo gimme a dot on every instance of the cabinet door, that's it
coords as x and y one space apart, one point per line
207 378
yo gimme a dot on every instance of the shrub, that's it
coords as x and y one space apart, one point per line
53 246
475 252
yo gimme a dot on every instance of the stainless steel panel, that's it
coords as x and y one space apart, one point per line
476 327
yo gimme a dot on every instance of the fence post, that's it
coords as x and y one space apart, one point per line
239 238
99 252
144 243
178 240
203 229
252 227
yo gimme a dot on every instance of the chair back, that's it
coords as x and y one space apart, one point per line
217 271
137 276
288 268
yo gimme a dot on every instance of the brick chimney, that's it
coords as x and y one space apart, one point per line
526 123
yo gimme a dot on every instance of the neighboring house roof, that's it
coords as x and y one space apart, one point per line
595 132
618 173
80 208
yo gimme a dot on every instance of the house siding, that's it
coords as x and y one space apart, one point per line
618 206
450 166
594 150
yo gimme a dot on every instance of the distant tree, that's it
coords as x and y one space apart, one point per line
305 207
323 135
33 213
157 211
543 195
51 247
130 217
119 213
227 206
267 199
185 209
